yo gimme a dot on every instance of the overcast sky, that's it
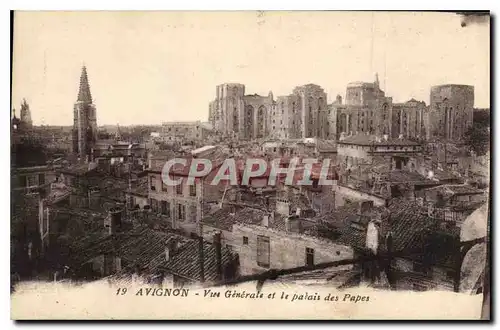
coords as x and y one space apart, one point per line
150 67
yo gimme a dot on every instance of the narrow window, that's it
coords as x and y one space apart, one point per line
309 257
263 251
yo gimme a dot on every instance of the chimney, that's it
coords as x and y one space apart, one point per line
113 222
282 206
365 206
372 237
218 255
265 220
430 210
288 224
170 249
201 258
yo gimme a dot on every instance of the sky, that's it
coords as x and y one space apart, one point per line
154 67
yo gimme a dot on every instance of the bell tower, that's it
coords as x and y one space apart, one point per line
84 121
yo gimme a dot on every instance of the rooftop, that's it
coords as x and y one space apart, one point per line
137 247
456 189
186 263
370 140
226 217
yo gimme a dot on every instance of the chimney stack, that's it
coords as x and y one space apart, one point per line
265 220
113 222
430 209
170 249
288 224
218 255
372 237
283 206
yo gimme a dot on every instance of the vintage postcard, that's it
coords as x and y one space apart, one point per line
191 165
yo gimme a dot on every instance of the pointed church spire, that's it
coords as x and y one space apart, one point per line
84 91
377 83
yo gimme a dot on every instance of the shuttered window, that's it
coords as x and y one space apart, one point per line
263 251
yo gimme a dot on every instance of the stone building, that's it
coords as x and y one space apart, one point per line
233 113
366 110
302 114
184 131
181 205
84 120
409 119
451 111
363 149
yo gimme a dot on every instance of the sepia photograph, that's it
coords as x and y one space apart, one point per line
250 165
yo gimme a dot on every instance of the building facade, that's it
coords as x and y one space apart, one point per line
302 114
84 120
410 119
366 110
451 111
233 113
184 131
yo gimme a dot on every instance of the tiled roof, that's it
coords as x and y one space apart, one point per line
327 145
77 169
365 139
403 176
406 221
186 263
444 175
140 190
456 189
138 247
226 217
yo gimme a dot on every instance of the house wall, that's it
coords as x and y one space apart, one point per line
287 249
162 192
345 193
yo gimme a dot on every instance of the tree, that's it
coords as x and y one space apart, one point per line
481 118
477 138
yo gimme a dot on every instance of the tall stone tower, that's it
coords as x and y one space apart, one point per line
85 122
451 111
26 114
